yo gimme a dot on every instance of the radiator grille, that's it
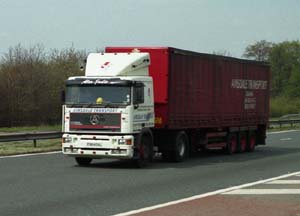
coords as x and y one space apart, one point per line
92 121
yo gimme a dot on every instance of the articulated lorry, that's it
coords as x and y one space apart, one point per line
134 102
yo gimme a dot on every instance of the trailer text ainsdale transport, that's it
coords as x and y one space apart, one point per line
133 102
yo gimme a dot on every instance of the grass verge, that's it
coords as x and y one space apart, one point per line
30 128
26 147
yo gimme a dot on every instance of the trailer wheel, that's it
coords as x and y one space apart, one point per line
81 161
145 151
231 144
251 142
242 142
181 147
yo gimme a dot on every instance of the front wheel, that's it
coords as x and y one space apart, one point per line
145 151
81 161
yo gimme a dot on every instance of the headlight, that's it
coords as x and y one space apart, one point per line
121 141
125 141
67 140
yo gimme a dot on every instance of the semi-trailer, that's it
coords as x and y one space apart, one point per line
136 101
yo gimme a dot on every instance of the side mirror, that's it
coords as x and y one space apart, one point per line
63 96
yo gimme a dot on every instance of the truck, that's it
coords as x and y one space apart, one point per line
137 102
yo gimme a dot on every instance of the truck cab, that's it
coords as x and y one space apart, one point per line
108 110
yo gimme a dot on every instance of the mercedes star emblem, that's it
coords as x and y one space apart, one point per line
95 119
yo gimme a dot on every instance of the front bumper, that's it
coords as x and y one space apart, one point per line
98 146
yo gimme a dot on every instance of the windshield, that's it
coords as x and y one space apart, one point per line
98 95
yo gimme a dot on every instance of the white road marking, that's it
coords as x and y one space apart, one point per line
284 182
263 191
27 155
222 191
286 139
287 131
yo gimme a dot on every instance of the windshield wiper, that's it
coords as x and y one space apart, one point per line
105 104
87 105
79 104
108 104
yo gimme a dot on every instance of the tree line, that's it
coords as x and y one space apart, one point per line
31 80
284 60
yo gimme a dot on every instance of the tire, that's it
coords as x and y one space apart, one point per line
231 147
181 147
242 146
251 142
81 161
145 150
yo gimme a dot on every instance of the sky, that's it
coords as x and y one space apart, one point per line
205 26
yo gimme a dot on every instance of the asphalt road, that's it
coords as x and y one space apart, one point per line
54 185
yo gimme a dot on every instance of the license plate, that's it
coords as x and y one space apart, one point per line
94 144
